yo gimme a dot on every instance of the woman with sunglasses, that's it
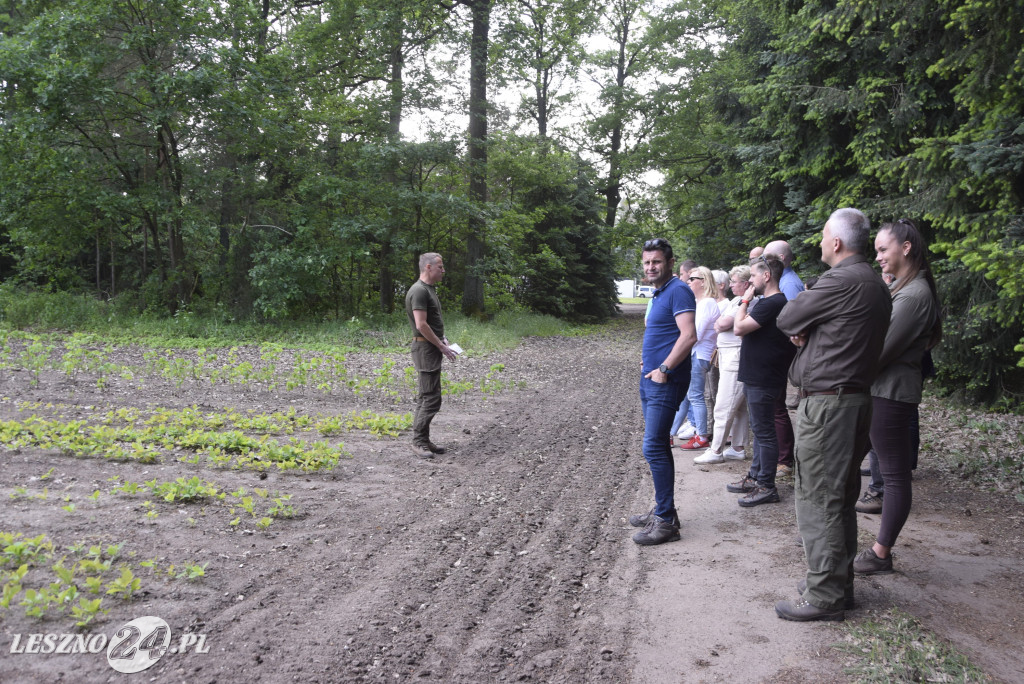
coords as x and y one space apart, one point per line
915 325
702 283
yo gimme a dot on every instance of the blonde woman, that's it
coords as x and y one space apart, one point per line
702 283
730 402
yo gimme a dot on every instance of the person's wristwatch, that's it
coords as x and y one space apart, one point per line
664 369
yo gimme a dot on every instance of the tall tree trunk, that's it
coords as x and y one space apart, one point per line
612 188
473 287
397 95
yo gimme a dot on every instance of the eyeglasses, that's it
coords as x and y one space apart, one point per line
692 278
657 244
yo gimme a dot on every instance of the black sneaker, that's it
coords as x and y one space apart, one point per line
658 531
869 503
867 563
745 485
641 519
760 495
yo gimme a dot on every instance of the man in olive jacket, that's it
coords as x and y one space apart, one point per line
839 327
429 345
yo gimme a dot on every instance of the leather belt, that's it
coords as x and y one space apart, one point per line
838 392
417 338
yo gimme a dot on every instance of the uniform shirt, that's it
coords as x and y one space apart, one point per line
661 333
845 317
423 297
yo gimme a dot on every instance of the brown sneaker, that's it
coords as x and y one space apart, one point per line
434 448
869 503
867 563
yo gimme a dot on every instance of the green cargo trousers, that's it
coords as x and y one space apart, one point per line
831 439
426 359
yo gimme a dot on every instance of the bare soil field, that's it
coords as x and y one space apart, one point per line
506 559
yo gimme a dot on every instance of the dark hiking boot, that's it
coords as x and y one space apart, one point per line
747 484
802 611
760 495
641 519
658 531
848 602
422 451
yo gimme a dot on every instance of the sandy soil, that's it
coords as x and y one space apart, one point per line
507 559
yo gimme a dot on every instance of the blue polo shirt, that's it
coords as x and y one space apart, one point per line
670 300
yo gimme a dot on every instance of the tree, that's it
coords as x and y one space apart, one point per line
542 44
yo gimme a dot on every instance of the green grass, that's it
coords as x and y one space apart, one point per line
895 647
115 322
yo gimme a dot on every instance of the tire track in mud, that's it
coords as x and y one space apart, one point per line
511 576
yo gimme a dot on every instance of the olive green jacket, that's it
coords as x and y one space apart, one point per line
913 313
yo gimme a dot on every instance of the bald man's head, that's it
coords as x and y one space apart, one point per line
781 249
756 252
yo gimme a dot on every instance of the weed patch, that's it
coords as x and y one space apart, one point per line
894 647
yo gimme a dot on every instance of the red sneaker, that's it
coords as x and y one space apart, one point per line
696 442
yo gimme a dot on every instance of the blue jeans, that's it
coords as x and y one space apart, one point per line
658 401
761 405
694 404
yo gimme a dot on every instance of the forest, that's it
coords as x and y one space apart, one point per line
282 160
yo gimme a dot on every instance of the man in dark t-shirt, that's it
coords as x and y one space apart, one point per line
764 359
429 345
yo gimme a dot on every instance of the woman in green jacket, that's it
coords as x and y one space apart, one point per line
915 326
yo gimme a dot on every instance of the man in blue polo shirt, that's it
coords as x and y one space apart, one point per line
665 377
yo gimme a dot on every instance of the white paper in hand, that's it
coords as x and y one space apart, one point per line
455 348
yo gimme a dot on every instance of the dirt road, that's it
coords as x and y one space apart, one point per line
507 559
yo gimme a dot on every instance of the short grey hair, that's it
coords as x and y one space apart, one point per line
721 278
852 228
427 259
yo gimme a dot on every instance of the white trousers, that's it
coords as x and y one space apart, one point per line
731 418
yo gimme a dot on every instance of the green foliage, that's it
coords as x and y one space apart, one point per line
900 109
566 266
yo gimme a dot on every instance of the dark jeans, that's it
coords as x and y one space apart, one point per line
893 444
761 403
784 430
659 402
426 358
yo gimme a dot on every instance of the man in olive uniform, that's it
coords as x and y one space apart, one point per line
429 345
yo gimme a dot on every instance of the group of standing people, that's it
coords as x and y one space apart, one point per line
852 347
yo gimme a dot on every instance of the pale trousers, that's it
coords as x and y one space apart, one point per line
730 403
